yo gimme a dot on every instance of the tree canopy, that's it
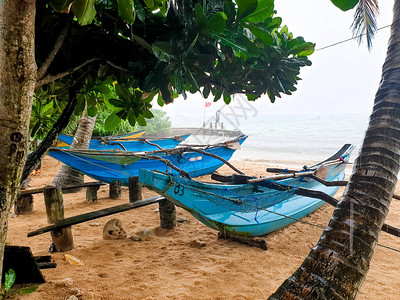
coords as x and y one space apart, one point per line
167 48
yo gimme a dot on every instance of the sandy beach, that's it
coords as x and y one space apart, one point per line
188 262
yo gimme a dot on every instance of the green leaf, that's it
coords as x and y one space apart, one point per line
227 98
245 8
117 103
141 120
163 51
261 33
217 23
27 290
160 100
62 6
148 114
264 10
251 97
201 19
139 10
84 11
131 118
9 279
111 122
206 90
345 4
126 11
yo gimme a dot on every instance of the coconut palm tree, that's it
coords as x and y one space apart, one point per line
337 266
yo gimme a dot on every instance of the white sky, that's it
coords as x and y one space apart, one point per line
342 78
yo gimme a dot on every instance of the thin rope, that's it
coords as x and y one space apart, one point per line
347 40
273 212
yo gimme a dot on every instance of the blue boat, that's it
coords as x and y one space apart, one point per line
256 208
128 142
110 166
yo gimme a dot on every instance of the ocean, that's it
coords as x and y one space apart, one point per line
288 137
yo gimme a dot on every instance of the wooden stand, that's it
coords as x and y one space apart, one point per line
91 193
62 238
23 205
115 190
135 189
167 214
251 241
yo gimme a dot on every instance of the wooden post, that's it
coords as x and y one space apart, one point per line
23 205
135 189
115 190
53 199
167 214
91 193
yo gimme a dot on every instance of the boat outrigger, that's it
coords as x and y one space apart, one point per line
128 142
255 206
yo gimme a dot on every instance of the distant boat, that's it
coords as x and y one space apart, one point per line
110 166
255 208
128 142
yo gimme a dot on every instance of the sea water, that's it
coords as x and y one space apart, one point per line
291 137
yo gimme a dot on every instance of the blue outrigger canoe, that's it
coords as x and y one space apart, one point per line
129 142
254 208
110 166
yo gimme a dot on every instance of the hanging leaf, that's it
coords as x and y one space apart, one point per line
111 122
117 103
160 100
163 51
263 11
217 23
261 33
245 8
126 11
345 4
139 10
141 120
84 11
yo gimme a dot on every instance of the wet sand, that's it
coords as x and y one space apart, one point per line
188 262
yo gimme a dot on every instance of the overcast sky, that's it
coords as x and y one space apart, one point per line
342 78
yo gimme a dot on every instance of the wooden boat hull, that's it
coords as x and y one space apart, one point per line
130 142
263 210
119 167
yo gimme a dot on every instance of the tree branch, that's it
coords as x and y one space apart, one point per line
35 157
57 45
51 78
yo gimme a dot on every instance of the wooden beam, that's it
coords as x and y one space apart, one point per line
96 214
64 187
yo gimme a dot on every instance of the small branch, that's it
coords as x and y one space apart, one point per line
57 45
35 157
117 67
142 43
51 78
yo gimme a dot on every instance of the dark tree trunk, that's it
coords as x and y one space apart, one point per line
17 83
337 266
67 175
36 156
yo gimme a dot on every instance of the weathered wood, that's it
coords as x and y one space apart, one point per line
251 241
23 205
91 193
167 214
62 238
135 189
115 190
64 187
96 214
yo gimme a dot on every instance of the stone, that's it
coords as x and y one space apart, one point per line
197 244
182 220
142 235
67 282
72 297
77 292
114 230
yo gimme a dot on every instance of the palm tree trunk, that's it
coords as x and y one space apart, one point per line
17 83
337 266
68 175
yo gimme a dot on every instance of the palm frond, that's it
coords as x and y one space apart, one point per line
365 21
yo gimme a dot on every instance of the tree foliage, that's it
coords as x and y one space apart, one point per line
169 48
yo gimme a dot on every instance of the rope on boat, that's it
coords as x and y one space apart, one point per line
165 161
257 207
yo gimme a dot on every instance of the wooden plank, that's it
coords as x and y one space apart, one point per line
65 187
96 214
